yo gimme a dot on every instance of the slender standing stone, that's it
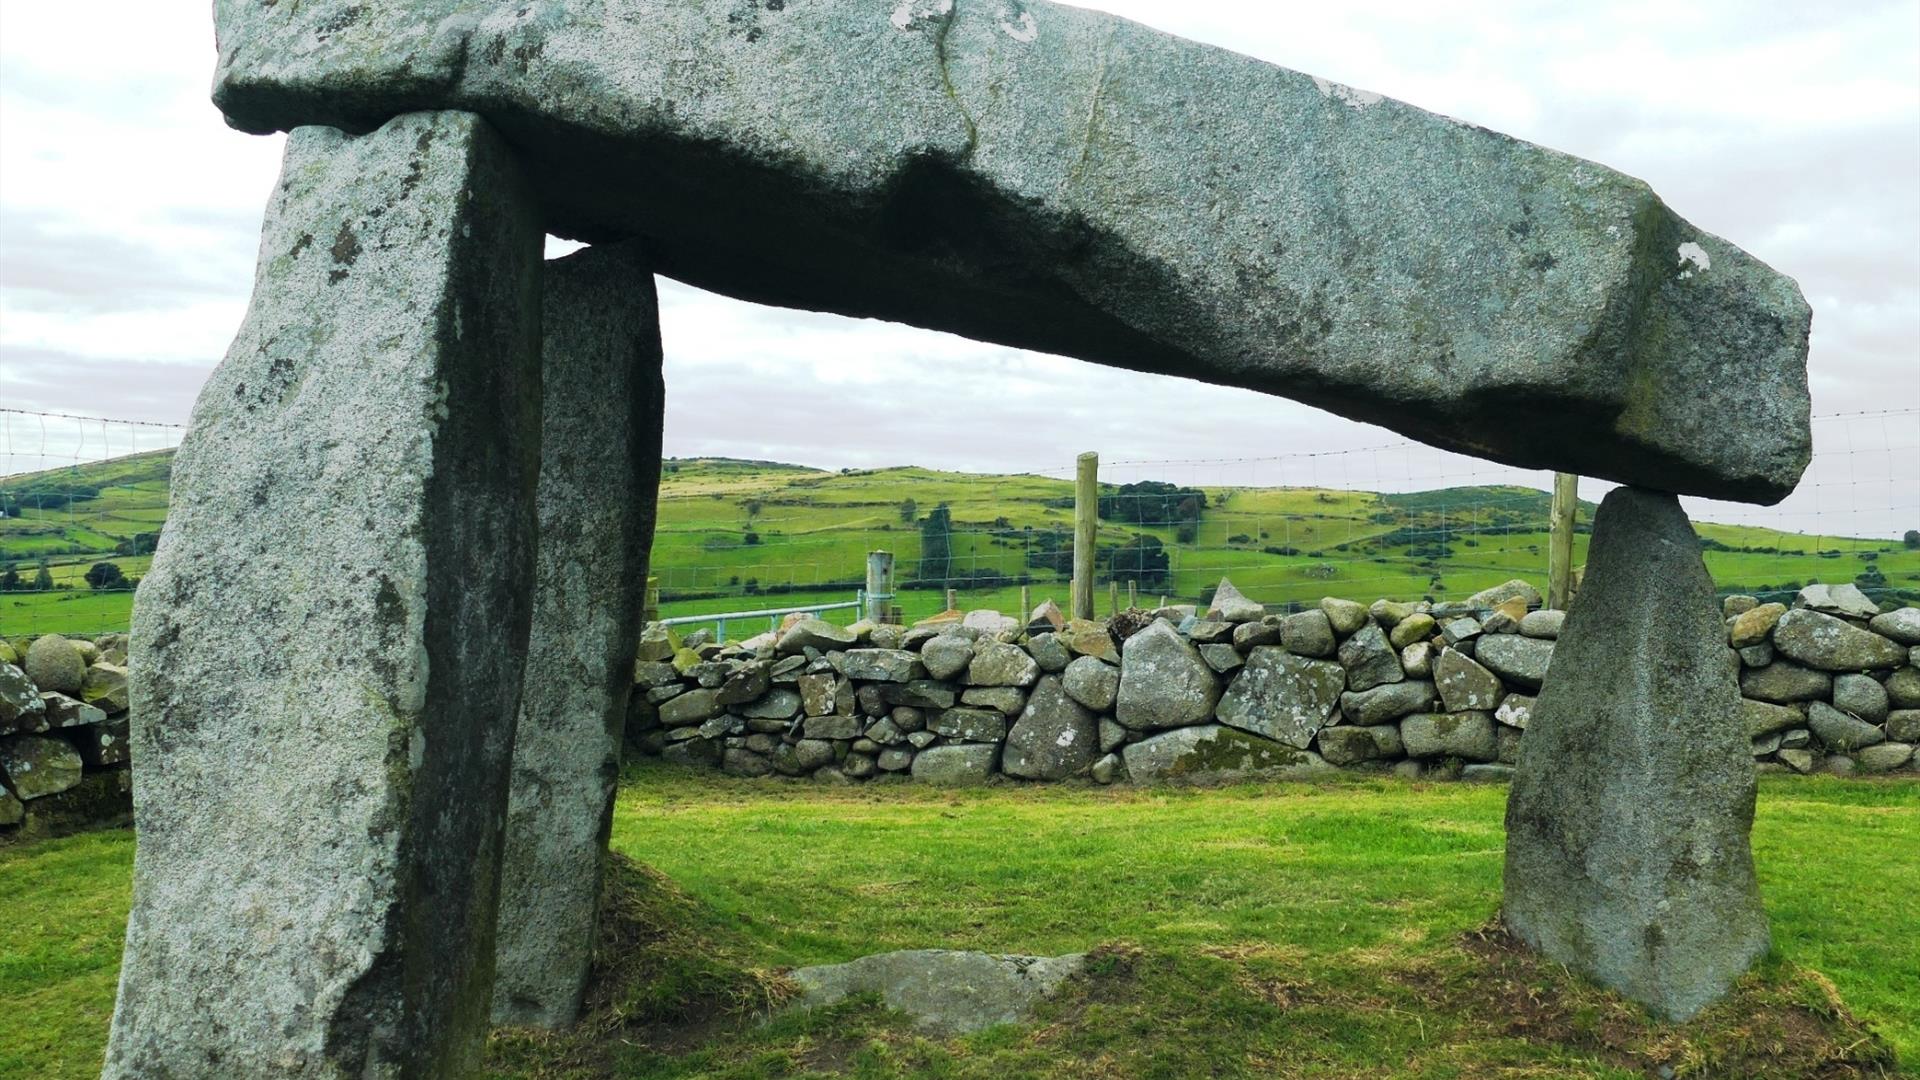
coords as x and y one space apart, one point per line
599 467
327 650
1628 823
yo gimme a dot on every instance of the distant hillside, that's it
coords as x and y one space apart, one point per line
734 533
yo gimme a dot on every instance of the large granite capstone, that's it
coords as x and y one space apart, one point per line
1059 179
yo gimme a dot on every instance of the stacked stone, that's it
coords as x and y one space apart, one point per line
63 735
1234 691
1830 684
1441 690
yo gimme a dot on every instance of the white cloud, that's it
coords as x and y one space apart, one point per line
128 218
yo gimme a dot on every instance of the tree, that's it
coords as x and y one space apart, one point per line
105 575
1912 539
10 579
1142 559
908 511
936 545
43 581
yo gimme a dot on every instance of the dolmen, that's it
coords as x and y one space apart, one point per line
427 463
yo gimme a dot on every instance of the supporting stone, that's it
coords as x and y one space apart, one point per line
1628 823
327 650
599 470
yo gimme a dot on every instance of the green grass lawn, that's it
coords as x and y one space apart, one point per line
1272 930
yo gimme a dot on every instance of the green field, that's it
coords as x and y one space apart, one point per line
1326 930
736 535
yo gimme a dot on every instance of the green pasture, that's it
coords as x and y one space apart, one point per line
734 535
1333 930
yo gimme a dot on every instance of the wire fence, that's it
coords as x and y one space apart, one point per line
82 499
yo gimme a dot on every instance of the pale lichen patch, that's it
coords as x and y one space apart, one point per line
1693 260
1354 98
908 12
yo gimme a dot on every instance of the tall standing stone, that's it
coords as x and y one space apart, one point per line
327 650
1628 822
599 468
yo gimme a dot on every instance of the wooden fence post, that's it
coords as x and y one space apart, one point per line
1133 594
1566 502
1113 598
879 584
1026 605
1086 527
953 600
650 607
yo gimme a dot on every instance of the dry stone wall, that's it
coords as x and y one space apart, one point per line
1830 684
1420 689
63 735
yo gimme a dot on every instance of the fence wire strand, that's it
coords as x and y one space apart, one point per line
1399 520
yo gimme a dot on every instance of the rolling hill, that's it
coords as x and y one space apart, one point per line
736 535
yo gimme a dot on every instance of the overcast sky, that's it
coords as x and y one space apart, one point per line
129 217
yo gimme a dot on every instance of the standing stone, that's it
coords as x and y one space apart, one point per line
1054 738
599 468
1163 681
327 650
1282 696
1628 822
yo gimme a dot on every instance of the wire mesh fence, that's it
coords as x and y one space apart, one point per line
82 500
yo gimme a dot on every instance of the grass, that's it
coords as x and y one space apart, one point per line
1335 930
730 531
